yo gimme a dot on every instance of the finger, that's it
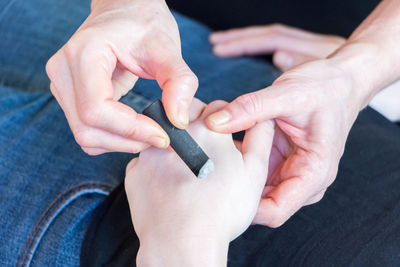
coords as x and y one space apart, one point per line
94 98
285 60
93 141
56 95
264 44
119 119
256 148
94 151
283 201
198 124
246 110
60 77
213 107
240 33
284 38
92 67
237 33
122 82
316 198
98 139
162 61
179 84
196 109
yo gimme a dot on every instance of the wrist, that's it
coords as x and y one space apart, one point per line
371 55
179 250
368 68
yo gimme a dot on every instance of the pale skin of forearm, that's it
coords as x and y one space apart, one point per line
370 56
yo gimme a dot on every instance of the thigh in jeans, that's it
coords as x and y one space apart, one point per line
31 32
48 185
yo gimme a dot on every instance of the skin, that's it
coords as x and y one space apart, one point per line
291 47
177 215
314 104
120 41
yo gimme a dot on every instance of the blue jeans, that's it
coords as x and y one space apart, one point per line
48 186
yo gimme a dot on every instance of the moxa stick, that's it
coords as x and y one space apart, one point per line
183 144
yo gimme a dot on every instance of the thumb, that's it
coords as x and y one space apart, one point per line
179 85
247 110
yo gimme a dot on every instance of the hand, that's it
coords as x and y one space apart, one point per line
176 215
119 42
290 46
314 106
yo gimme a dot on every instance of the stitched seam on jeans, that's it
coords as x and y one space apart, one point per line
51 212
56 206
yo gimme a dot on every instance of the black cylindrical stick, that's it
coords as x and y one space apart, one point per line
183 144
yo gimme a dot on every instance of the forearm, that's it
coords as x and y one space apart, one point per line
371 57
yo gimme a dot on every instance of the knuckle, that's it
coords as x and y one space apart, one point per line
89 115
70 49
276 221
330 179
84 138
132 132
81 44
135 150
249 103
91 151
190 80
50 68
272 218
320 196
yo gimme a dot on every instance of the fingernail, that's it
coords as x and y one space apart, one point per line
160 141
182 115
219 118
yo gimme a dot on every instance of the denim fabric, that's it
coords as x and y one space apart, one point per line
48 186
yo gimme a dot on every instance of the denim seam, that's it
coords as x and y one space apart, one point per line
52 211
